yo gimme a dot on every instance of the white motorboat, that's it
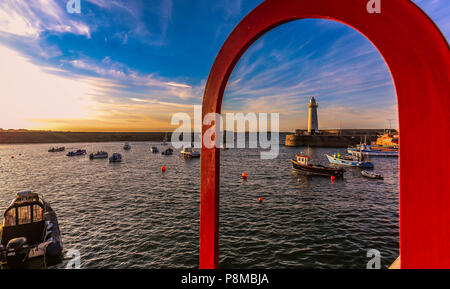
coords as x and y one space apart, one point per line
372 175
357 159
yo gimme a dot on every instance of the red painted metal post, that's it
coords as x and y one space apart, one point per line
209 208
418 58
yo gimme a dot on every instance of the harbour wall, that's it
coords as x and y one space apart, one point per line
332 138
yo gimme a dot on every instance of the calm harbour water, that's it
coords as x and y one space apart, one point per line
131 215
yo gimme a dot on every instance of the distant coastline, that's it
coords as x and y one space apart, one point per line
35 137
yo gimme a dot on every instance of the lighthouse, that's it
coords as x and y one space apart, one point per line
313 122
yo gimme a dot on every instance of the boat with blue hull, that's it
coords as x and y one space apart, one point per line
115 158
355 160
76 153
302 165
373 150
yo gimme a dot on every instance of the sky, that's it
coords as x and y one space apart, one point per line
130 65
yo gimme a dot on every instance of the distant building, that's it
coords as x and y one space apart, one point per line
313 121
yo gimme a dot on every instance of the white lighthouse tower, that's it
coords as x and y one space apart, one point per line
313 122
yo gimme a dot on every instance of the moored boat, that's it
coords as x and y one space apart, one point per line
388 140
357 159
76 153
57 149
190 153
98 155
29 229
302 165
154 150
115 158
372 175
374 150
167 152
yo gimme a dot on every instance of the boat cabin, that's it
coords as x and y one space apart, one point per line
24 218
358 156
187 150
302 159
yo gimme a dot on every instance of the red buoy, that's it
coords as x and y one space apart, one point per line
12 157
244 175
163 168
260 200
333 178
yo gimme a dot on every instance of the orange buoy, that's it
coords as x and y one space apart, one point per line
260 200
163 168
244 175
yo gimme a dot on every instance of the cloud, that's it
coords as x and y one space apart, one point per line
182 85
30 18
151 85
232 8
165 13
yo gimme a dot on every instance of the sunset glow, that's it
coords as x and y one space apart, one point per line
118 67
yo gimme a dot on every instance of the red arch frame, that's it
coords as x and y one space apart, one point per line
418 58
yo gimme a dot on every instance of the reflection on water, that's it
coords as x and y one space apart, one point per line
131 215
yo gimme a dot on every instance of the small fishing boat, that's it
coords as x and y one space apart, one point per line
357 159
127 147
29 229
372 175
167 152
115 158
301 164
190 153
98 155
374 150
154 150
57 149
76 153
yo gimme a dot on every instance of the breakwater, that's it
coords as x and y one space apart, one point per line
332 138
